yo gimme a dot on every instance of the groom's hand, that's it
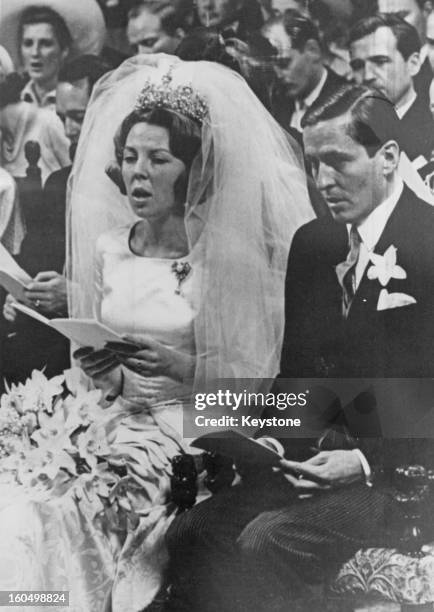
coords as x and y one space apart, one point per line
326 470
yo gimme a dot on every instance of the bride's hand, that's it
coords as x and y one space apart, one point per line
151 358
96 363
103 367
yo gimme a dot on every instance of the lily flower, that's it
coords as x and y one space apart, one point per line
38 392
92 444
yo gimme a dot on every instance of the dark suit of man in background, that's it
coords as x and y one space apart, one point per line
302 79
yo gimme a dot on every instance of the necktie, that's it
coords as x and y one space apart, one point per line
346 271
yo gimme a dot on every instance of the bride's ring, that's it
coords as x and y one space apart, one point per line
37 303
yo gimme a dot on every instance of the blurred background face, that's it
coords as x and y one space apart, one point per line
41 53
146 35
408 10
376 62
430 39
71 103
278 7
216 13
3 73
295 69
6 64
431 98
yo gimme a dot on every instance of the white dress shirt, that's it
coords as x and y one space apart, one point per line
402 110
371 229
301 106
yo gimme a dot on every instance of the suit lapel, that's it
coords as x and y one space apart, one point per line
335 250
368 291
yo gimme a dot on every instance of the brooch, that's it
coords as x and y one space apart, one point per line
181 270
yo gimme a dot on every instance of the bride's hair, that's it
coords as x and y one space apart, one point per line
184 143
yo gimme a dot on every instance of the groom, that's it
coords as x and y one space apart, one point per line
359 302
360 286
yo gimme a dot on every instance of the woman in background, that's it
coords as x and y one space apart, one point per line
39 35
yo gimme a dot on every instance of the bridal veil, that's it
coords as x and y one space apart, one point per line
246 198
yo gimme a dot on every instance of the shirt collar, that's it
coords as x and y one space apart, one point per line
28 94
401 110
310 99
373 226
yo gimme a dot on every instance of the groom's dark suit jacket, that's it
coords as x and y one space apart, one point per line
397 342
392 343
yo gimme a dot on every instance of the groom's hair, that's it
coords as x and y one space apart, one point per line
372 120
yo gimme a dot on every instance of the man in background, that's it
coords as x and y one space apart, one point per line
415 12
278 7
301 76
156 27
385 54
233 18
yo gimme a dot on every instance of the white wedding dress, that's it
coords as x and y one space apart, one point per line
59 540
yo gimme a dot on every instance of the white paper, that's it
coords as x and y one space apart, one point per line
32 313
9 265
13 285
84 332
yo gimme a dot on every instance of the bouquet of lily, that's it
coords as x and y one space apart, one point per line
56 439
47 428
54 436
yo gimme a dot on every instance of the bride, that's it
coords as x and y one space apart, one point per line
182 249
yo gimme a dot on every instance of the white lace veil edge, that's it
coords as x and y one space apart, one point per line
247 196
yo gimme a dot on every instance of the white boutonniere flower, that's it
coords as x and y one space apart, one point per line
384 268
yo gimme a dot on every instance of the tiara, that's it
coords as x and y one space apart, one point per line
181 99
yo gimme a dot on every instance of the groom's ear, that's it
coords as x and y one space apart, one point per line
390 153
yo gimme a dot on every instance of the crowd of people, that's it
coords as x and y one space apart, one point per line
233 190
